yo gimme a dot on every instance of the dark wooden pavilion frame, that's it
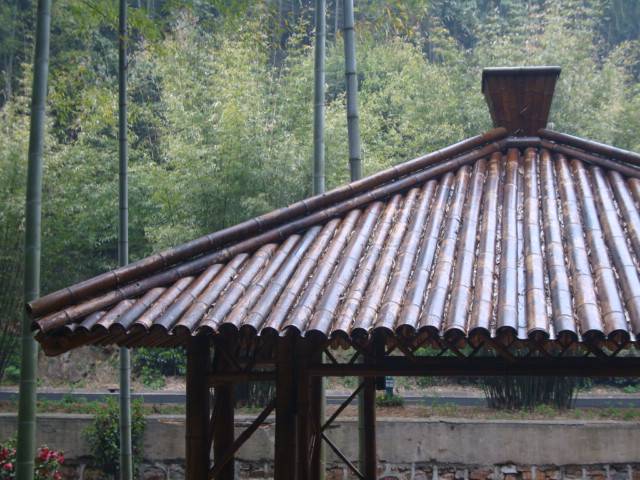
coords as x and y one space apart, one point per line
292 362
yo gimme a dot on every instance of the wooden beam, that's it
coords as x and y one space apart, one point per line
370 467
342 457
492 366
317 465
224 424
240 377
304 422
198 364
285 447
317 408
344 405
242 438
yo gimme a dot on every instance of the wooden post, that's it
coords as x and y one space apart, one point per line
370 467
198 363
317 418
223 412
285 449
223 429
304 421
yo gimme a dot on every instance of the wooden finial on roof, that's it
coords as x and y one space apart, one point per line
519 98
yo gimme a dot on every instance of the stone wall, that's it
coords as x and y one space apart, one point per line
408 448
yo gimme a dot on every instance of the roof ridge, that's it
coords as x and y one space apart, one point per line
591 146
269 227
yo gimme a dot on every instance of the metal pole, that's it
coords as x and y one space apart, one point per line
27 403
353 122
126 458
319 187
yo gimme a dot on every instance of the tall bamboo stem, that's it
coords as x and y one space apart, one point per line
353 122
27 404
319 100
126 460
319 184
355 167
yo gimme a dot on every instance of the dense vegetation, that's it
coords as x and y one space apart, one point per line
221 100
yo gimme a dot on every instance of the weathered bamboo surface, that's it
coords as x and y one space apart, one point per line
504 242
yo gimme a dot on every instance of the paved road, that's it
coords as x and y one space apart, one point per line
333 399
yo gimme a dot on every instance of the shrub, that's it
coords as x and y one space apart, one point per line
151 365
528 392
387 400
103 436
47 463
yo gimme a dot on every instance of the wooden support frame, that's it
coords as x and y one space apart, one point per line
197 441
222 462
370 467
296 364
485 366
223 416
285 447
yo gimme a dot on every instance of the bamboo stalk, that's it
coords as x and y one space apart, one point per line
351 75
27 404
126 454
318 103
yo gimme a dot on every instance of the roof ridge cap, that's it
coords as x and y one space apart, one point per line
591 146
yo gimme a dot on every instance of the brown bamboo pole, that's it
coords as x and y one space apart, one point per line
223 430
198 360
317 414
136 270
285 447
221 463
61 318
487 366
571 152
370 467
591 146
305 422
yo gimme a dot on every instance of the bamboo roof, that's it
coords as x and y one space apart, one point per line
495 237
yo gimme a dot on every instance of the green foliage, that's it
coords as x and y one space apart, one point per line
386 400
152 365
103 436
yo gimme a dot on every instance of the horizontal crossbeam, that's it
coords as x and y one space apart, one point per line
485 366
240 377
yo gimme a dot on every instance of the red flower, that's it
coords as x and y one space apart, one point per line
57 476
44 454
60 458
8 466
4 453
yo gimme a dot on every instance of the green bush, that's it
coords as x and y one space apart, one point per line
529 392
103 436
389 401
152 365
